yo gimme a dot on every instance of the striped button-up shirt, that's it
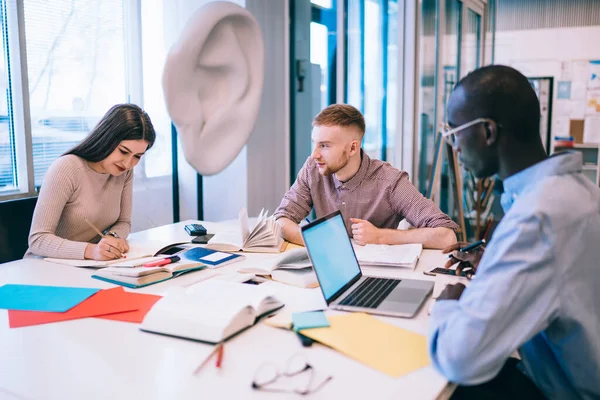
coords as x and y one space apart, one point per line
378 193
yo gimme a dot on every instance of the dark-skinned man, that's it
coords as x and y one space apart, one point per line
536 287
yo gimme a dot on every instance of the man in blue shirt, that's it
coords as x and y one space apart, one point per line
537 287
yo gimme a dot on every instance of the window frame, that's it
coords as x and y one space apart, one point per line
19 89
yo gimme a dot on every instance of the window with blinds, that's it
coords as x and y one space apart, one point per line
8 167
76 68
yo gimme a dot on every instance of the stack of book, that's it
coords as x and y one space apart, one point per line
147 271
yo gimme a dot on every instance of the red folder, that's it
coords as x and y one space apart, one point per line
144 303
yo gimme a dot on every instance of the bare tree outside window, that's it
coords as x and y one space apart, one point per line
76 67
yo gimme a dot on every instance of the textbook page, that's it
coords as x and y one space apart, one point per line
292 259
234 295
392 255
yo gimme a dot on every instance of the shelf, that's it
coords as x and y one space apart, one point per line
590 167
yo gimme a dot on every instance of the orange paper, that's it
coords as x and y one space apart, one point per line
103 302
143 302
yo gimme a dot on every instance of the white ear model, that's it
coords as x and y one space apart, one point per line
212 83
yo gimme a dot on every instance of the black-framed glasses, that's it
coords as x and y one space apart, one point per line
449 133
269 373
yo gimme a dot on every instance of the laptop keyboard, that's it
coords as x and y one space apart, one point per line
370 293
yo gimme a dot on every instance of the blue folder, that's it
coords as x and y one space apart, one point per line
42 298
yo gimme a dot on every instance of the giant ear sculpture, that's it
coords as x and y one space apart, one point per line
212 83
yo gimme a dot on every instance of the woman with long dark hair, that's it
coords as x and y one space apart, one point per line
92 182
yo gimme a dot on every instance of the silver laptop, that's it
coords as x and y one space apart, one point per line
342 282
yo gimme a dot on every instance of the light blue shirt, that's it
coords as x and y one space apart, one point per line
537 288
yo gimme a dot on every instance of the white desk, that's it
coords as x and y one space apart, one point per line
101 359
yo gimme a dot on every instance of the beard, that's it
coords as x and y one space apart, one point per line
332 168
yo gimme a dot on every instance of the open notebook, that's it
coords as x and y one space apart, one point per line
210 311
292 267
291 259
135 252
263 237
400 255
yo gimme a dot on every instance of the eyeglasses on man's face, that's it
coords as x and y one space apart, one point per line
269 373
449 133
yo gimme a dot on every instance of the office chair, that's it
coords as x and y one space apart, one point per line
15 223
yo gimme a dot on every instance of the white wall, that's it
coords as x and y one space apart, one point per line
268 147
541 52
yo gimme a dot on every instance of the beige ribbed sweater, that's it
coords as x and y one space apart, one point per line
72 191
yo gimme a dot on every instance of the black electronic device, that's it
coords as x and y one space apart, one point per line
195 230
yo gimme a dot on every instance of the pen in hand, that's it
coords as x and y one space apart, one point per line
472 246
87 221
102 235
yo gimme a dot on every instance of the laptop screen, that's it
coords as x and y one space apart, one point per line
331 253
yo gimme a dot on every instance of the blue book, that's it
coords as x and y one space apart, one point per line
210 258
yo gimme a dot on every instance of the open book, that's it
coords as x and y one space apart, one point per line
263 237
210 311
303 278
400 255
136 251
291 259
292 267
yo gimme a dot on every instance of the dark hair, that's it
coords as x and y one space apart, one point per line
505 95
121 122
341 115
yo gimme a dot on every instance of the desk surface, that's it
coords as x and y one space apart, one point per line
101 359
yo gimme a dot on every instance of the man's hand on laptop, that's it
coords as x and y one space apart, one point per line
364 232
468 261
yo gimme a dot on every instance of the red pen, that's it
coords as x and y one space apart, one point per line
163 261
220 356
219 350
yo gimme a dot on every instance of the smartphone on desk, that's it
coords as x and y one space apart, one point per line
443 271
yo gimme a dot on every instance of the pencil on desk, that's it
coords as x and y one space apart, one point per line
87 221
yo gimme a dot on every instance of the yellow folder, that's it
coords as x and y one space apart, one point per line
389 349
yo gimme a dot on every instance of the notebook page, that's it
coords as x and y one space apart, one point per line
230 238
294 259
404 254
131 256
195 316
229 294
196 304
258 230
